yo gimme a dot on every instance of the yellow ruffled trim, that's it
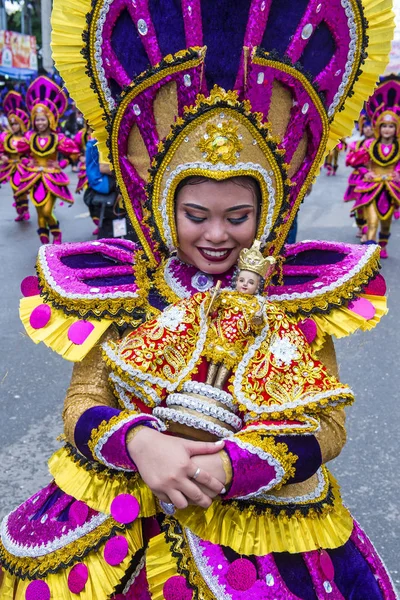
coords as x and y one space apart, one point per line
55 333
341 322
160 565
380 31
103 578
247 532
98 489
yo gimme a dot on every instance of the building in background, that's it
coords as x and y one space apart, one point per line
18 55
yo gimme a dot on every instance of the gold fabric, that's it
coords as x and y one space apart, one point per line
89 386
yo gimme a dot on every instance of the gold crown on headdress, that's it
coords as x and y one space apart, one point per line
251 259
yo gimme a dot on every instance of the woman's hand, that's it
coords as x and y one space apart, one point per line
166 465
212 464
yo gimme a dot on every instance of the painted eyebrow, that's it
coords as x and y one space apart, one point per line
232 209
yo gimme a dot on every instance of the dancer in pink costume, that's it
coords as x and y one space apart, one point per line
352 158
41 174
80 140
10 157
379 191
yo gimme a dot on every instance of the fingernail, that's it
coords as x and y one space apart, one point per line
223 491
219 443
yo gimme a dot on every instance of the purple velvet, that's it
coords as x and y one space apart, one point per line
284 18
307 448
95 260
90 420
249 472
319 50
168 24
132 56
111 281
316 257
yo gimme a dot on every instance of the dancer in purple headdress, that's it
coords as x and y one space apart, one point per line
10 156
42 176
352 159
142 505
378 193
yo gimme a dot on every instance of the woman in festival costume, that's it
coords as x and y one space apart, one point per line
352 160
80 140
258 514
42 176
10 157
378 194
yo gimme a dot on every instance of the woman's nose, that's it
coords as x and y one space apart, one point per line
216 232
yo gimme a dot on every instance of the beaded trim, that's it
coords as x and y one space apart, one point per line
98 58
205 408
204 568
25 551
240 167
114 358
196 387
127 402
169 414
134 575
310 426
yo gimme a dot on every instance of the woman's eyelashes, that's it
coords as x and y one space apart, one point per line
232 220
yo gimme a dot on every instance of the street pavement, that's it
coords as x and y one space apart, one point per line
33 379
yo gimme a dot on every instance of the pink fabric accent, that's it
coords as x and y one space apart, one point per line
77 578
79 332
362 307
116 550
241 574
325 589
376 287
125 508
326 565
37 590
40 192
250 472
309 328
40 316
176 588
30 286
78 513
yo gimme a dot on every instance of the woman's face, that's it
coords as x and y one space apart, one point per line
215 221
15 127
388 130
41 123
368 131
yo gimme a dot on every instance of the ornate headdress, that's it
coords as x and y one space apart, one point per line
363 120
383 105
250 88
252 260
13 105
46 97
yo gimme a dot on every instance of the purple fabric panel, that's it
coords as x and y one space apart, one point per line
168 23
307 448
249 472
115 450
319 50
117 58
140 10
283 19
111 281
90 420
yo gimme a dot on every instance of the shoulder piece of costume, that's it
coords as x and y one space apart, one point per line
268 107
80 290
331 288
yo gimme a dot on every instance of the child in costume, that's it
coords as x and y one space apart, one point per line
10 157
137 510
367 133
378 194
42 176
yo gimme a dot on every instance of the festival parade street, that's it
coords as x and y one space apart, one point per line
200 238
367 361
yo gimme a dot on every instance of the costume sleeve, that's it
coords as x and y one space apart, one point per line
261 461
67 146
358 158
93 421
22 146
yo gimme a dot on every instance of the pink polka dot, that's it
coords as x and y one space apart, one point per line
116 550
37 590
376 287
79 332
30 286
77 578
309 328
176 588
40 316
362 307
125 508
241 574
78 512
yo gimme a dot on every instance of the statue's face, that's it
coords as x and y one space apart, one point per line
247 282
214 221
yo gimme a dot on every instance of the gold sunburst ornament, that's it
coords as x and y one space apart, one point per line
221 143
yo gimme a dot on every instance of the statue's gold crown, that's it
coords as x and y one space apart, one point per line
251 259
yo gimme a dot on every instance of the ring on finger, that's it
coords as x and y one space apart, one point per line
197 473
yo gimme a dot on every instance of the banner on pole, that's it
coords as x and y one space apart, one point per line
18 56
